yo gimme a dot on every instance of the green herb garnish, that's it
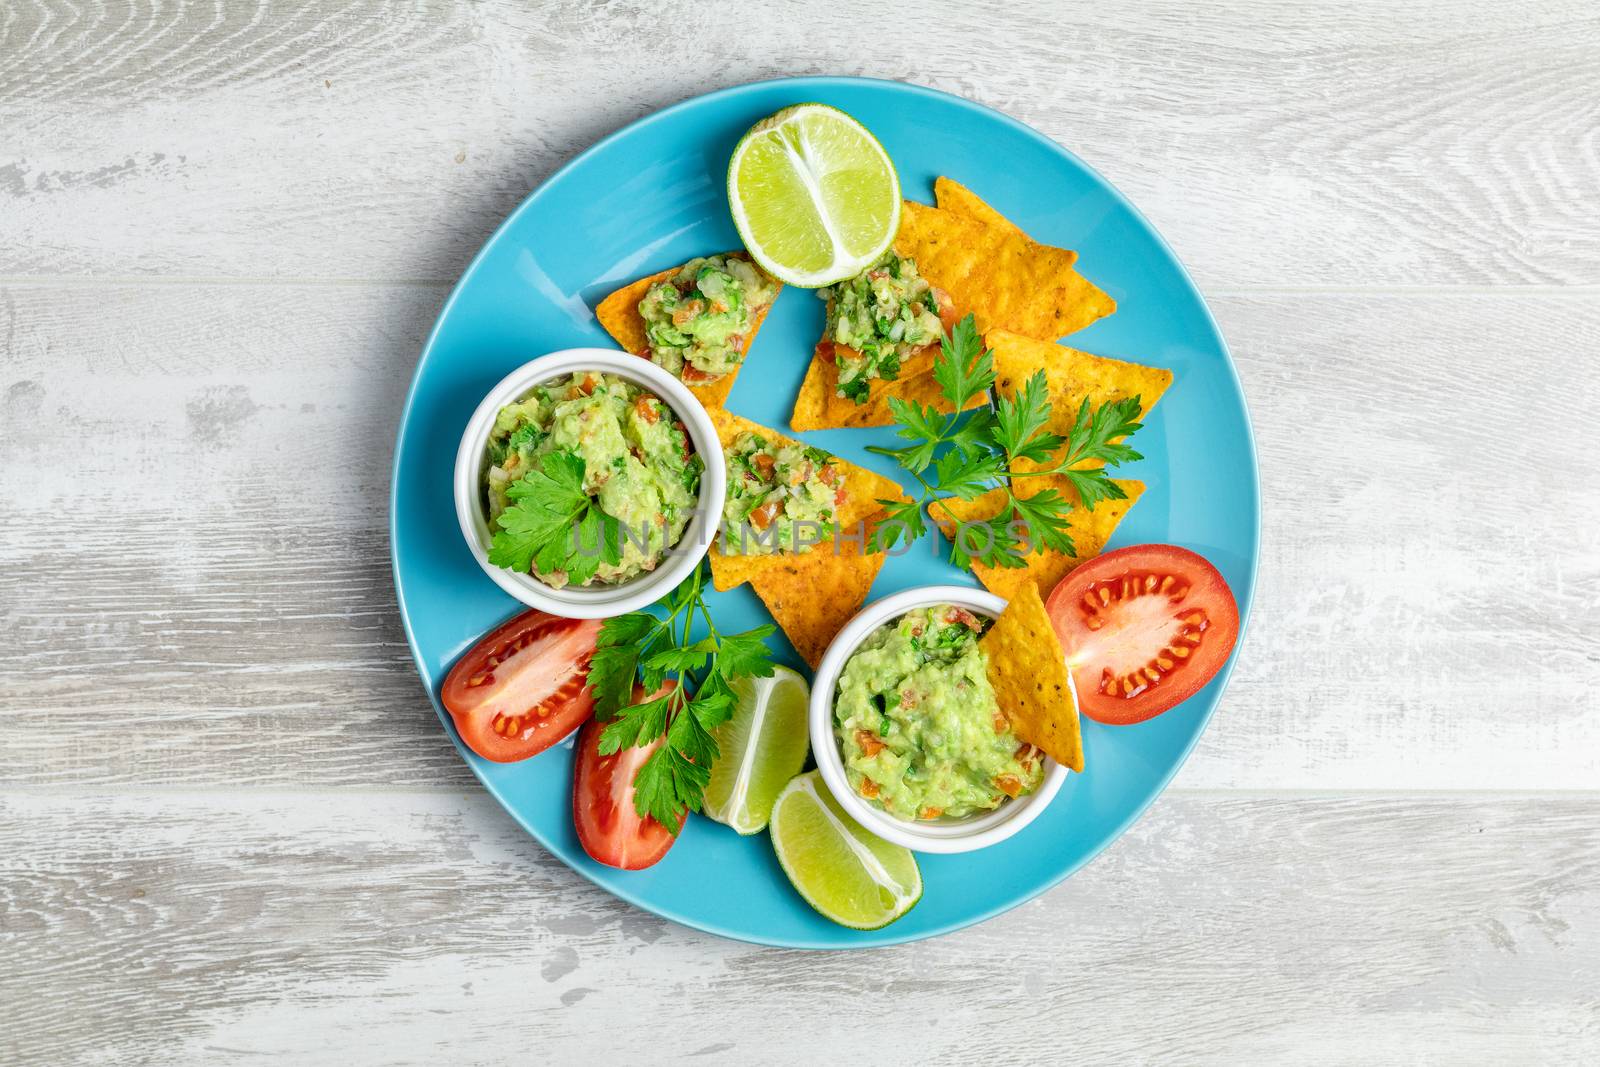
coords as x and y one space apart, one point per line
970 454
650 650
553 525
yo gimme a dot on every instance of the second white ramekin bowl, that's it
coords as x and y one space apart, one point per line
593 601
936 835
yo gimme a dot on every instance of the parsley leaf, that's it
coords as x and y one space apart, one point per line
964 368
552 525
1020 420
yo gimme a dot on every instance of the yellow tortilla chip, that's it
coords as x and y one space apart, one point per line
951 195
998 274
1029 675
1071 377
619 315
863 489
1090 530
811 595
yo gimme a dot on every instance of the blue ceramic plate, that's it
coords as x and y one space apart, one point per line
651 197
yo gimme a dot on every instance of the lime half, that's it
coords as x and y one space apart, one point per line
847 874
814 195
763 745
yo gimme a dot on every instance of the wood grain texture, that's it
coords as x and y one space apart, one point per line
224 231
400 928
1425 617
1352 144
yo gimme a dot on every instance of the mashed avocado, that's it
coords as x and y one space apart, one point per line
700 318
638 465
917 721
771 487
877 319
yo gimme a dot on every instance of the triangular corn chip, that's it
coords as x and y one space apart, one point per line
998 274
863 489
811 595
1071 377
951 195
819 407
1029 675
1090 530
619 315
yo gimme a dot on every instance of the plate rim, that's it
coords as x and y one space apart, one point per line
1246 600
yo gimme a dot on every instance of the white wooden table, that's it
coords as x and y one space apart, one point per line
229 822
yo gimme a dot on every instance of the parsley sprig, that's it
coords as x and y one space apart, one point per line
654 650
970 454
554 525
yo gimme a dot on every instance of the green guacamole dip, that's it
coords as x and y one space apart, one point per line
918 725
638 463
879 318
773 487
699 320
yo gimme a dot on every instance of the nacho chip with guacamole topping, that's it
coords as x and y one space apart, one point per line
813 594
1030 678
997 273
819 407
619 315
951 195
1089 529
862 488
1071 377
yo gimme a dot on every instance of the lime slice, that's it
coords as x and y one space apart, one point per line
853 878
763 745
814 195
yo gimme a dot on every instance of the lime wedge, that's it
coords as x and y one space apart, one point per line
763 745
848 875
814 195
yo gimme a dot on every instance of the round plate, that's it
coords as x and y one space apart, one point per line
652 196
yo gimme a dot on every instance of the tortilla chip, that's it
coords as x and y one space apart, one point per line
811 595
819 407
619 315
999 275
1090 530
951 195
1071 377
1030 679
863 489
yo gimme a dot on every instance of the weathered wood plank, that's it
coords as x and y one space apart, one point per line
1426 613
1344 144
385 928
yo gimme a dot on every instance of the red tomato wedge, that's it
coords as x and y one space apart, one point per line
524 687
1143 628
610 829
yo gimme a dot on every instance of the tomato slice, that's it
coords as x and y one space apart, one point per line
610 829
524 687
1143 628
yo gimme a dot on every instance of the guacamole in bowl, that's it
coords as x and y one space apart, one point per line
588 479
920 732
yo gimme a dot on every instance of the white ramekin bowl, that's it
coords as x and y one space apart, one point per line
936 835
594 601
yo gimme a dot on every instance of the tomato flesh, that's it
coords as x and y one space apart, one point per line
523 687
610 828
1143 629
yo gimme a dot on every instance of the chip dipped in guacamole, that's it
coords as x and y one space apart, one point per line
878 320
918 723
698 320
